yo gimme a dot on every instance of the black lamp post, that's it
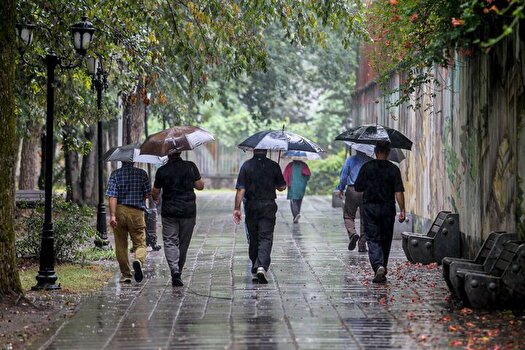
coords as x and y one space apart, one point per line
99 83
82 35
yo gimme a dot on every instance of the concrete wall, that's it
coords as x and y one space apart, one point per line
469 144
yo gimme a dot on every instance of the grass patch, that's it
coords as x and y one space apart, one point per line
73 278
97 254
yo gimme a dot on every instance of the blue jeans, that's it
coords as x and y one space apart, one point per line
379 227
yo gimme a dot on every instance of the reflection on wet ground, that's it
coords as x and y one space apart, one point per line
320 295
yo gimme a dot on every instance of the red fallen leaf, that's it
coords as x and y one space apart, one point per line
422 338
411 315
456 342
452 328
497 347
492 332
445 319
470 325
392 299
465 311
382 301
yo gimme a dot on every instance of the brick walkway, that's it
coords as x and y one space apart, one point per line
320 296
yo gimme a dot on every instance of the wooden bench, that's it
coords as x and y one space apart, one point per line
443 239
484 261
28 198
503 286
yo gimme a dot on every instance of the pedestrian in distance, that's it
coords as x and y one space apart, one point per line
258 179
353 199
128 189
296 174
381 184
177 180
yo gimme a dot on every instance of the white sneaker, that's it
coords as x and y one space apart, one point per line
261 275
296 218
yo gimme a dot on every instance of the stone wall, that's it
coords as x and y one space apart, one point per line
469 145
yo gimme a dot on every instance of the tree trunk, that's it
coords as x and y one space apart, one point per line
89 168
134 112
72 175
42 175
9 278
29 158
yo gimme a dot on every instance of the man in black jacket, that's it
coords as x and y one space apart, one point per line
258 179
177 179
381 184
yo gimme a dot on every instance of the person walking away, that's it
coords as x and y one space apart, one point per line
258 179
381 184
177 180
296 174
128 189
353 199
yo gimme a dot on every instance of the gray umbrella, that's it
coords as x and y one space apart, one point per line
131 153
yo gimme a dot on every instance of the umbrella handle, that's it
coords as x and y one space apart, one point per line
279 157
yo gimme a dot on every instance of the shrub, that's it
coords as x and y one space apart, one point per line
71 227
325 174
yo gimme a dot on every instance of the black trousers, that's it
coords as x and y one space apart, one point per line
379 228
260 219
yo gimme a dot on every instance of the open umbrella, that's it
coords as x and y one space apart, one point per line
131 153
175 139
372 133
279 141
301 155
396 155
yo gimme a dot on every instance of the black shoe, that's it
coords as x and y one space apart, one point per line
353 241
261 275
379 276
137 267
156 247
176 280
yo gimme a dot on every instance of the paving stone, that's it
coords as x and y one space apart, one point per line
320 295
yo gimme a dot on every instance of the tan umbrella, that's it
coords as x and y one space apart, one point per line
175 139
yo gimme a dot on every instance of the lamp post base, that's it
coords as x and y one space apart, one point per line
102 240
46 281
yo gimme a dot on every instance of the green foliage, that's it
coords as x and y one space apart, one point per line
72 229
325 174
98 254
410 36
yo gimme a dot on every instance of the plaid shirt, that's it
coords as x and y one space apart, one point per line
129 185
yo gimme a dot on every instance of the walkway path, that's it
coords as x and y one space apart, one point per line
320 295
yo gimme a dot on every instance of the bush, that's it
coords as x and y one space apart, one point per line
325 174
71 226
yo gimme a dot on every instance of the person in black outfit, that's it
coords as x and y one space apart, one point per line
381 184
177 179
258 179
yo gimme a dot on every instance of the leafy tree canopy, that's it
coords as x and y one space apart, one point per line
174 47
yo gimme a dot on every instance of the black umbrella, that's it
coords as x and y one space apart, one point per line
279 141
372 133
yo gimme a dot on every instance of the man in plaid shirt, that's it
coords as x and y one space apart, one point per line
128 189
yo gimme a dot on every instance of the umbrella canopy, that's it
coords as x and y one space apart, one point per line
372 133
131 153
301 155
279 141
175 139
396 155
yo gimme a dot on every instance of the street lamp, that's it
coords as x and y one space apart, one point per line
99 83
82 36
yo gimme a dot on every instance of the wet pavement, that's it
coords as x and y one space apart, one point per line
319 296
